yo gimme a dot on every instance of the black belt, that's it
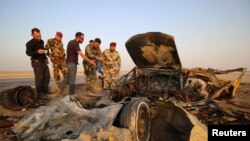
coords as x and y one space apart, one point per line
34 60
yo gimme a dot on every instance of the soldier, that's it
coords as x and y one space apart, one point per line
57 56
111 66
91 42
93 52
98 63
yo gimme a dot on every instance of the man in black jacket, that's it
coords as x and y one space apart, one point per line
35 49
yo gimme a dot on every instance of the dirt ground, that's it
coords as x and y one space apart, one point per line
237 112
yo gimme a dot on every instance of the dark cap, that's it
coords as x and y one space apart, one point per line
113 44
98 40
59 34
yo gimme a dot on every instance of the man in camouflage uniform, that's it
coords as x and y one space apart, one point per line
57 56
111 66
93 52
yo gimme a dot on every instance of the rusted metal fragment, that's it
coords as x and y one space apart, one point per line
237 81
6 123
183 95
17 98
216 87
225 90
173 122
153 50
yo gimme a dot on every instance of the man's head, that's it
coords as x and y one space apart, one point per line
97 42
91 42
59 36
112 46
79 37
35 32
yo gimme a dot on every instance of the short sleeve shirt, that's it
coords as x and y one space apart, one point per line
72 49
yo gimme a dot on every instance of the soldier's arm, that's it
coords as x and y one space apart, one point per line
119 61
105 58
108 60
100 56
48 48
63 51
90 54
86 58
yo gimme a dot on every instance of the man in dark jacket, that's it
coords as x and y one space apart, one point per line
35 49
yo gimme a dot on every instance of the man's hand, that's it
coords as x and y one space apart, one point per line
40 51
91 62
104 67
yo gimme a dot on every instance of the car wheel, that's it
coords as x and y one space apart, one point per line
17 98
136 117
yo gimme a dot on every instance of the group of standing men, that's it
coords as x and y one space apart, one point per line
93 60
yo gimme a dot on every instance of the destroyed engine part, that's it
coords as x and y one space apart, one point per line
158 67
17 98
149 82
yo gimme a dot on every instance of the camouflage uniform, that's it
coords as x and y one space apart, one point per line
57 57
91 52
112 64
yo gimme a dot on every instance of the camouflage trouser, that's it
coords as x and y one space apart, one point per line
90 73
59 65
109 78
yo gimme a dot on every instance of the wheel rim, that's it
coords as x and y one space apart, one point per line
143 124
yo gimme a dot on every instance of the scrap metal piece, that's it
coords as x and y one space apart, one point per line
219 86
17 98
5 123
237 81
153 50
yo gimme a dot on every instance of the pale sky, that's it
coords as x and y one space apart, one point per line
208 33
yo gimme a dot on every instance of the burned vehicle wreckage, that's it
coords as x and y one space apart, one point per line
159 77
158 95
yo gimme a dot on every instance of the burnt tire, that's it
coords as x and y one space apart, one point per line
17 98
136 117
